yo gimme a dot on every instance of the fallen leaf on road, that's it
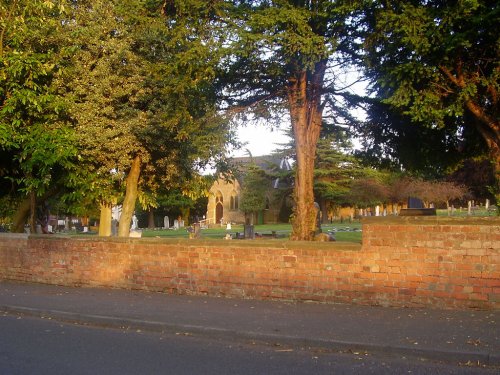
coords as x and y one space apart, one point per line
183 334
474 342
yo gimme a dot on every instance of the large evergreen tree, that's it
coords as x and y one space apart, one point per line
335 171
438 62
283 57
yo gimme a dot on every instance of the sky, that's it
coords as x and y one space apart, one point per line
261 140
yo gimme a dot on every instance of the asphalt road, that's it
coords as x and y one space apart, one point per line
42 346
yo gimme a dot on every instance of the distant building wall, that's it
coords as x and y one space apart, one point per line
425 261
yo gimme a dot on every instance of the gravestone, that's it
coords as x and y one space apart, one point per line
176 224
416 208
196 231
166 222
114 227
415 203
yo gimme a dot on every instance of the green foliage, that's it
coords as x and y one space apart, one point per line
438 63
33 125
98 83
140 86
334 172
253 193
391 140
269 43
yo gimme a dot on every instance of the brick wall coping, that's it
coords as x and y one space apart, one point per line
14 235
431 220
207 242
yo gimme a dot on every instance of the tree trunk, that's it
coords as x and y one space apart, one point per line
151 218
324 212
21 215
105 220
32 212
128 206
185 211
487 125
306 112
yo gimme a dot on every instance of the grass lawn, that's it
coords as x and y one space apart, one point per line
343 231
477 212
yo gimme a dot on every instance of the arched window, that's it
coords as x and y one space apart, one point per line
233 203
219 198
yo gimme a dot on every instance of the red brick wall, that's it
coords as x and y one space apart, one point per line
436 262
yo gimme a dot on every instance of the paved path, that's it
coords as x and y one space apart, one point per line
454 336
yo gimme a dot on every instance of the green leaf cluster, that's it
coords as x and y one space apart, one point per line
438 62
34 131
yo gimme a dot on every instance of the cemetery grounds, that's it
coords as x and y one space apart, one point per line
344 231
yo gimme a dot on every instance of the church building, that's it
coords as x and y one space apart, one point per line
225 194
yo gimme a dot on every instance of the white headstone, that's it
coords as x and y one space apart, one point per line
166 222
134 223
116 212
176 224
377 210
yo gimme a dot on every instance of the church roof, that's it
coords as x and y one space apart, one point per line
266 162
